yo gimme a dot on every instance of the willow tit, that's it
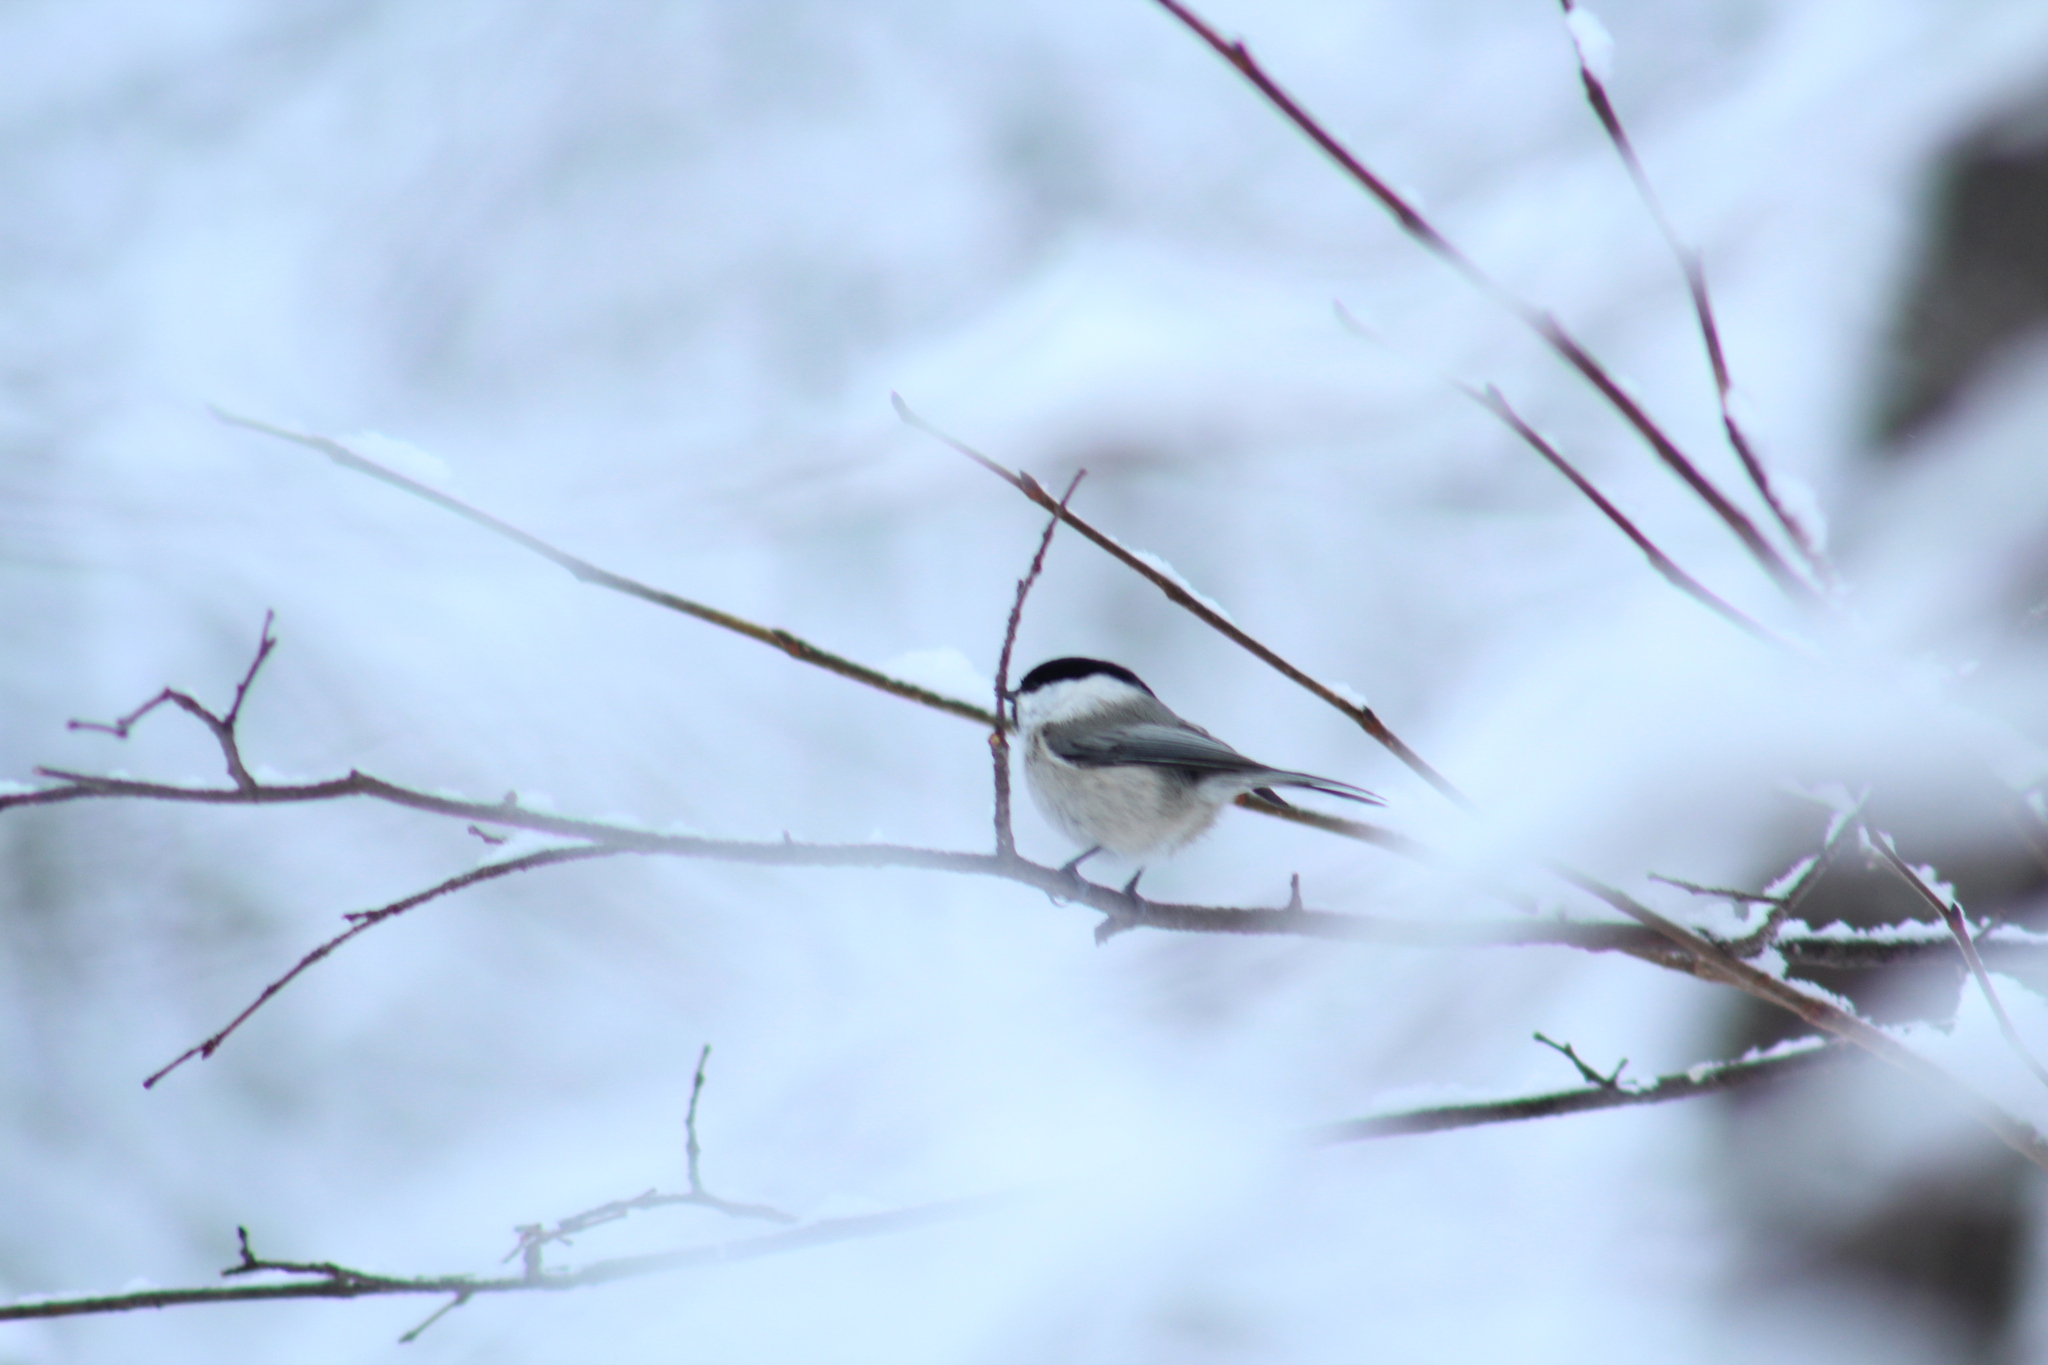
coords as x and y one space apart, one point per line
1116 771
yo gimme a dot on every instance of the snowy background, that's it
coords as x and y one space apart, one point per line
643 276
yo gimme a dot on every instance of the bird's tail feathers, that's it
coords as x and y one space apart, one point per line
1328 786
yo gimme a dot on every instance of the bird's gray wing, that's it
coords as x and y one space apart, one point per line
1147 743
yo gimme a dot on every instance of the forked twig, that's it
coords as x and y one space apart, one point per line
222 726
330 1281
535 1237
1610 1081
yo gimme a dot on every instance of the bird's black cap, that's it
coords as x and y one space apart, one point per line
1066 670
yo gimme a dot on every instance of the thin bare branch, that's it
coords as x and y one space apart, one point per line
443 1311
1490 398
1610 1081
1694 269
1543 324
222 727
331 1281
796 648
692 1149
1362 715
1766 934
1683 1085
1393 931
998 739
1952 915
1685 949
1741 898
363 920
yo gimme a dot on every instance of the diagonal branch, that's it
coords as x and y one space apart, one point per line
799 649
1952 915
222 726
1490 399
1715 963
1543 324
1362 715
366 919
1599 1094
1702 305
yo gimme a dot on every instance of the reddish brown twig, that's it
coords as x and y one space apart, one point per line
222 726
1598 1095
998 738
363 920
1320 924
1703 310
1543 324
1684 949
1362 715
803 651
1952 915
1490 398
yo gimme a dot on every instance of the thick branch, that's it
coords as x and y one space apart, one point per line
606 839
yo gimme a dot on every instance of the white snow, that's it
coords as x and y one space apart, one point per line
1165 570
401 456
651 273
945 670
1594 43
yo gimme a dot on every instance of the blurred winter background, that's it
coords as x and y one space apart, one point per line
642 277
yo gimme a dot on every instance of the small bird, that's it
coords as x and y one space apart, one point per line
1115 770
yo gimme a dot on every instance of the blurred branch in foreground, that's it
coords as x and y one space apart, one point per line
1543 324
327 1280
